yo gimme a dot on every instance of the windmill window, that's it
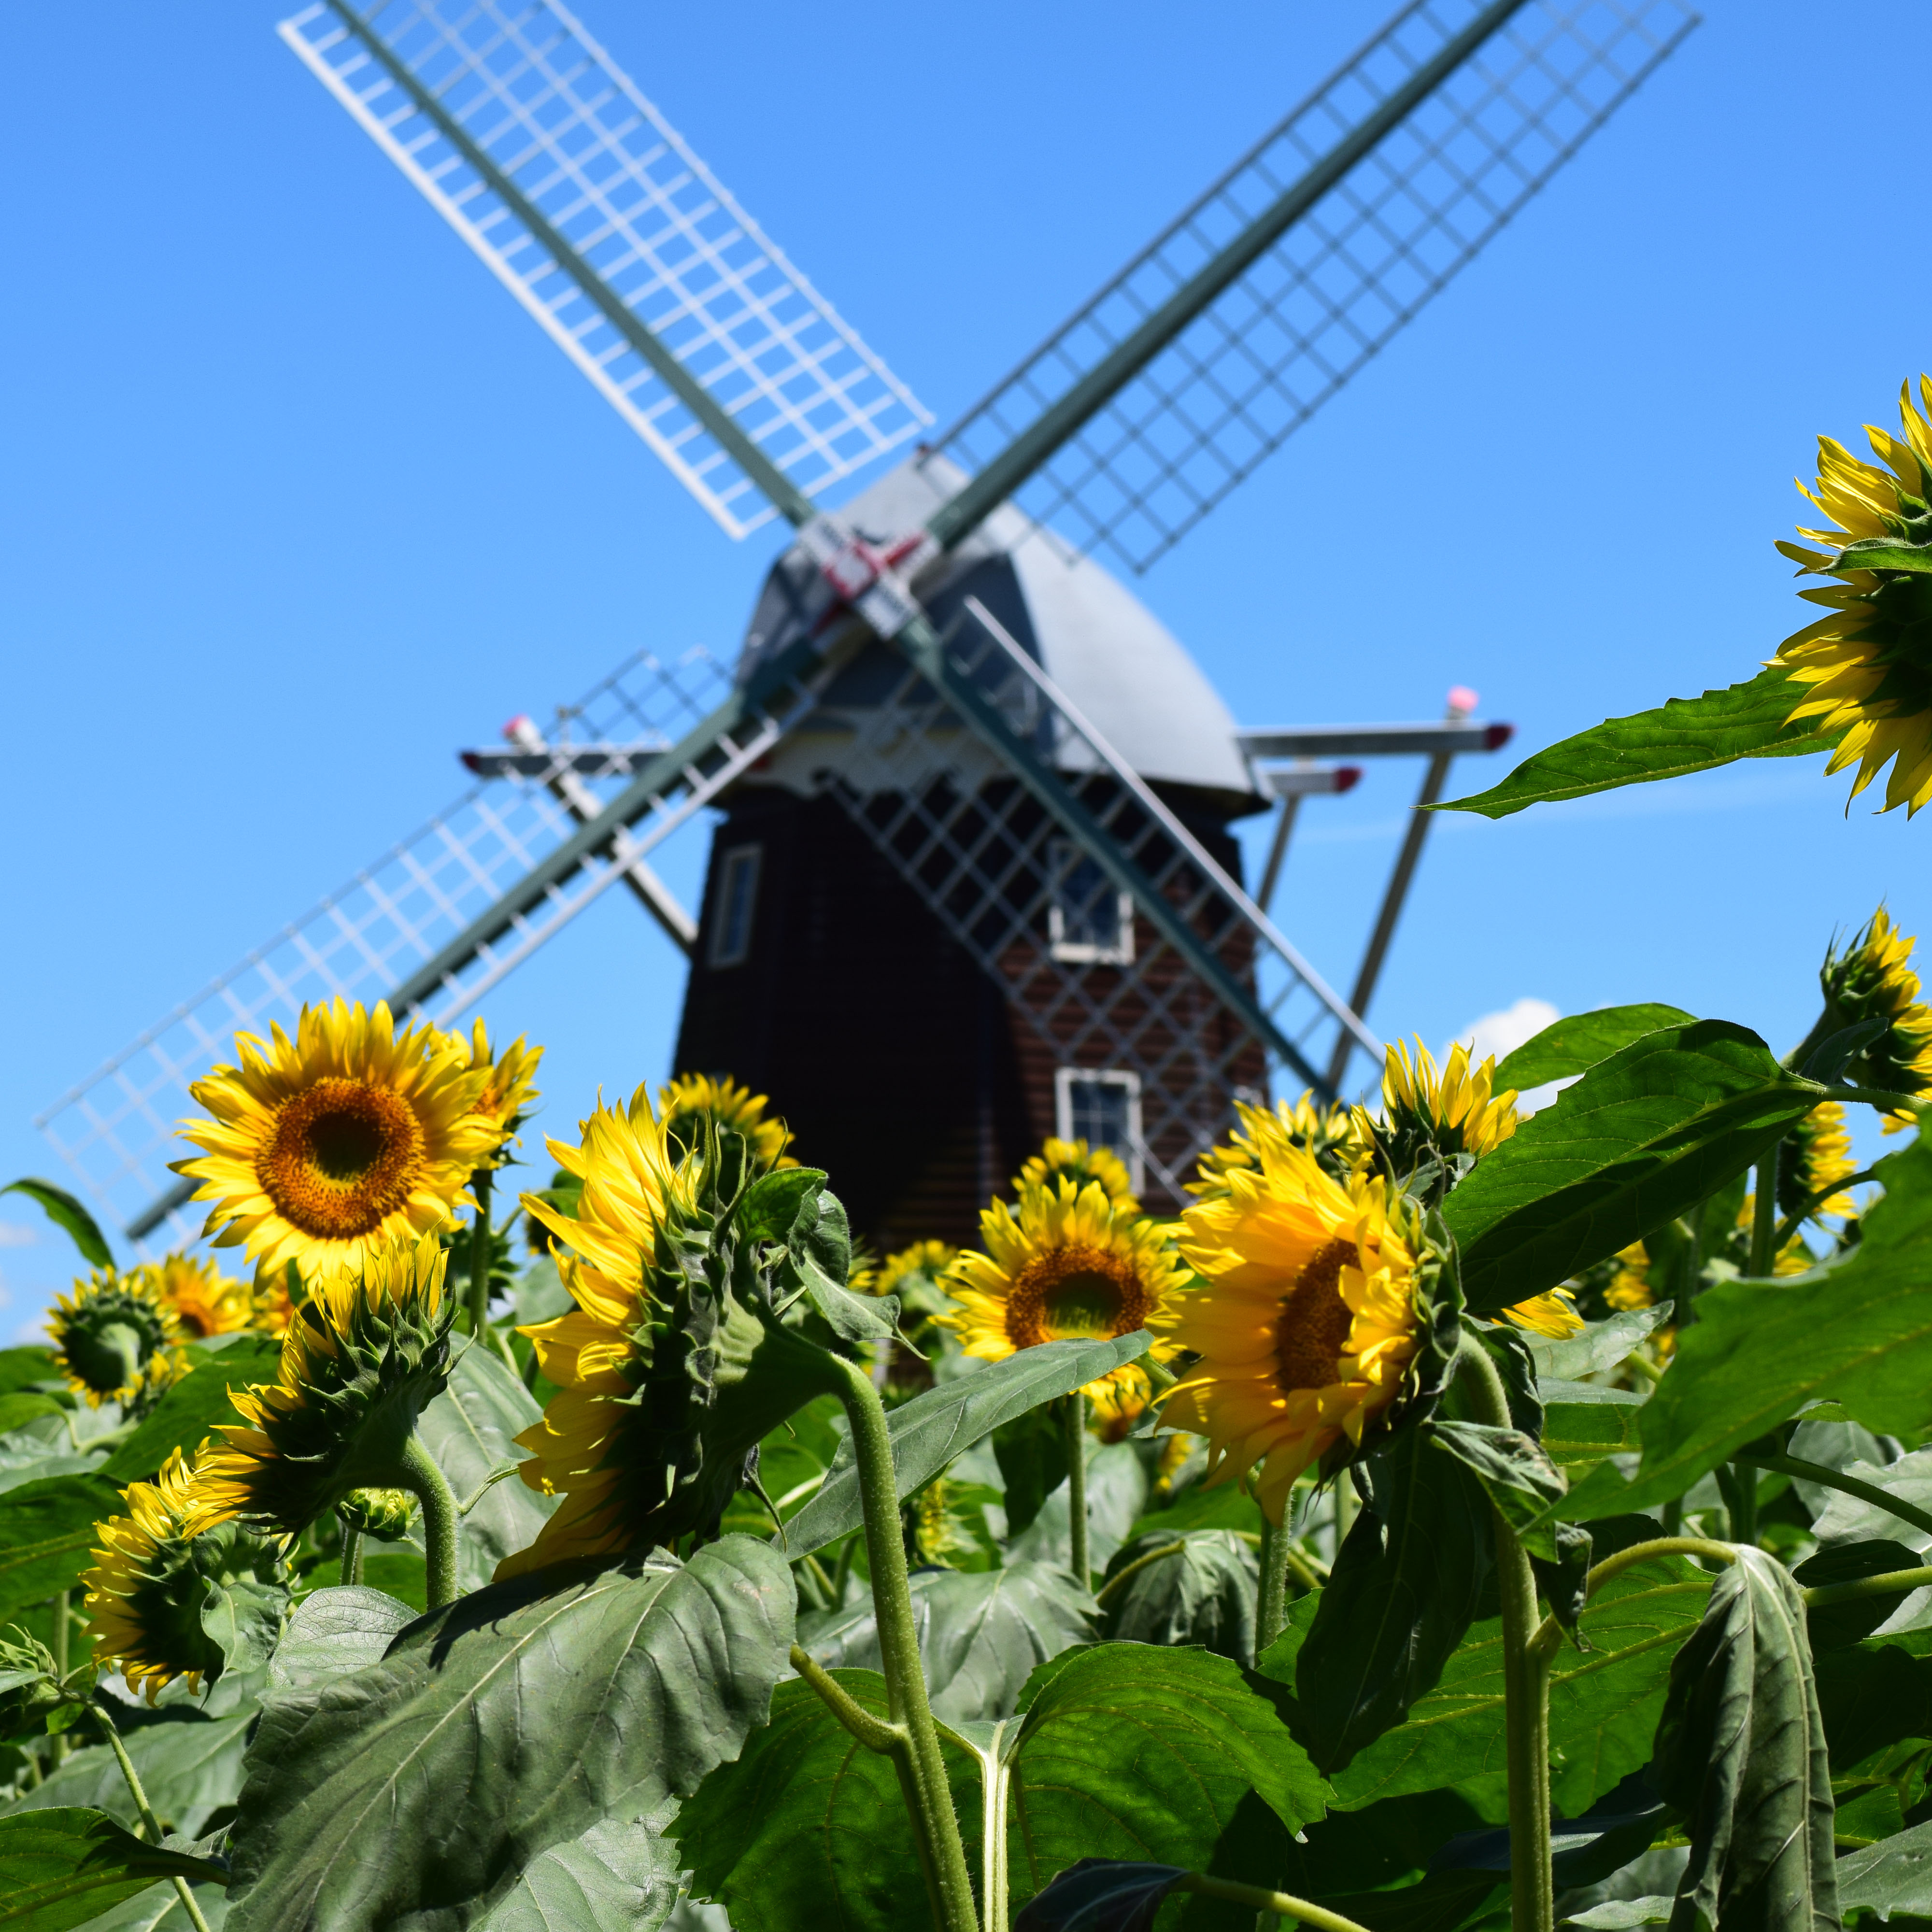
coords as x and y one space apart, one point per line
736 901
1090 922
1102 1106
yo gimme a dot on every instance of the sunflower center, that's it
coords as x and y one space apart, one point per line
1076 1292
344 1156
1311 1332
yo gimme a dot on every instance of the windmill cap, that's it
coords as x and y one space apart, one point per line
1347 777
1462 701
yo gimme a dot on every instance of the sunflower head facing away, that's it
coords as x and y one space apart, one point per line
1445 1121
1076 1161
1333 1134
365 1354
201 1299
324 1148
686 1103
674 1364
1816 1155
150 1581
509 1093
1067 1265
1866 665
1322 1315
1872 979
114 1338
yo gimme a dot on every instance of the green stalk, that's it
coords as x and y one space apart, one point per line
1344 1510
418 1473
931 1797
1073 1420
1271 1599
352 1555
57 1744
1120 1576
1835 1479
1283 1903
480 1184
1525 1689
183 1890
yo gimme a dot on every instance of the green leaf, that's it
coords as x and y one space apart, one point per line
1579 1434
930 1430
621 1877
1202 1593
190 1765
981 1634
193 1408
1893 1876
1740 1749
508 1723
46 1531
1574 1044
1833 1626
1117 1487
17 1411
1600 1347
1856 1330
1642 1137
1405 1587
1031 1452
1604 1702
66 1865
769 1210
1873 1694
1517 1476
1885 553
21 1367
1100 1895
1224 1506
1684 735
243 1617
334 1632
66 1213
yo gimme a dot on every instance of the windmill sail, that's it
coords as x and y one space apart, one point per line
589 207
1129 424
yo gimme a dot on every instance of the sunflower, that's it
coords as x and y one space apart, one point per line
150 1582
922 1265
1331 1133
1816 1155
1306 1319
366 1353
383 1513
1868 665
1067 1266
1553 1315
201 1299
325 1148
647 1435
1453 1112
1631 1287
1074 1161
510 1089
115 1339
685 1103
1872 979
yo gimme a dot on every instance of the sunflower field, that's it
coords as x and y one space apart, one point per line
1456 1517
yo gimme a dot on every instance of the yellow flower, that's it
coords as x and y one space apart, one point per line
1553 1315
1867 664
685 1103
1794 1258
927 1260
115 1339
1332 1133
326 1147
1305 1320
511 1091
365 1354
629 1441
1074 1161
1872 979
150 1581
1631 1288
1066 1266
1453 1111
1816 1155
202 1301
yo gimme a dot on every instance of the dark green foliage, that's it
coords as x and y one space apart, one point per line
1202 1592
1518 1479
47 1530
1572 1046
1832 1627
1100 1895
66 1865
1031 1452
193 1408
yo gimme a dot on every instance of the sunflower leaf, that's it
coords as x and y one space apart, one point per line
932 1428
193 1409
1031 1452
66 1213
1197 1587
1641 1137
614 1875
67 1865
189 1766
1574 1044
1517 1476
47 1528
1856 1330
1684 735
1100 1895
507 1723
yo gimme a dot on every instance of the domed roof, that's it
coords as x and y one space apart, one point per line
1112 657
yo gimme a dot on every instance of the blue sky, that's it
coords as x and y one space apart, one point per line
298 501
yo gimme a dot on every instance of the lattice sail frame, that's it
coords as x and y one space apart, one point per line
1329 295
115 1129
978 849
551 110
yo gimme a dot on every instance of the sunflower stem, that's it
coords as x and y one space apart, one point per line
351 1554
1526 1687
1850 1485
480 1183
1282 1904
1073 1421
418 1474
1764 1215
183 1890
59 1744
1271 1591
929 1798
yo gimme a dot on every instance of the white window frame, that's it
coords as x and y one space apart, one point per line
1062 855
736 860
1066 1079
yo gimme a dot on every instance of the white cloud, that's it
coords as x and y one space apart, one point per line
1502 1033
17 1234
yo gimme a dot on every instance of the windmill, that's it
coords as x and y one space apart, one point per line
963 772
